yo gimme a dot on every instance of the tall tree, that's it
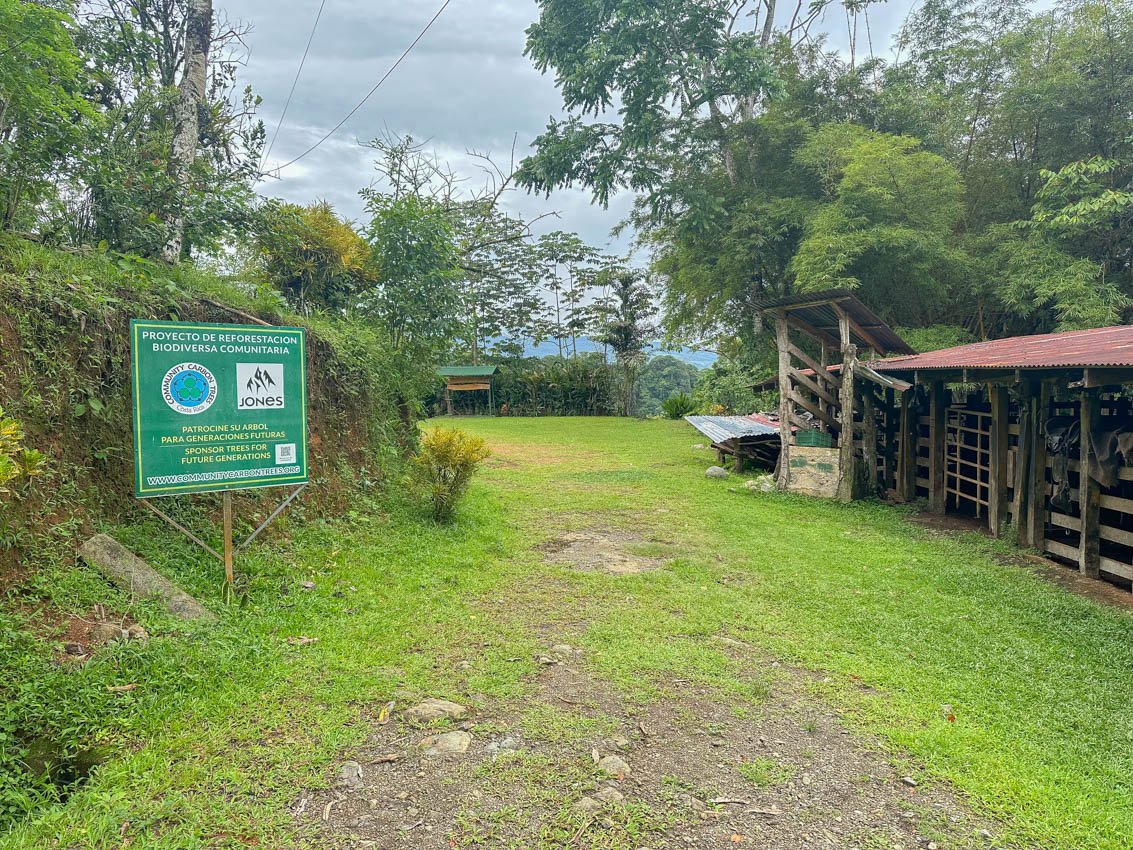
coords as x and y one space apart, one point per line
566 266
683 74
42 79
186 114
625 322
500 265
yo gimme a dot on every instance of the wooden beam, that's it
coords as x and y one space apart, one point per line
938 404
1020 504
846 457
810 330
1095 377
956 376
805 381
1036 515
799 422
869 442
889 462
783 342
846 341
1089 498
997 474
869 338
822 372
907 459
889 383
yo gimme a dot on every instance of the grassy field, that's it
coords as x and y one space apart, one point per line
230 722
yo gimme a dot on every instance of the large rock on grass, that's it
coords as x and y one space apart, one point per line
135 576
614 766
432 710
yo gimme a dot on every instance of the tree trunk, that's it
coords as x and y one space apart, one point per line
186 114
475 335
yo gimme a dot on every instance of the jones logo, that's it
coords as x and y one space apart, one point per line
259 386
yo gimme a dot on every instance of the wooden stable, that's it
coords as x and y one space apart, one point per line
827 389
464 379
976 430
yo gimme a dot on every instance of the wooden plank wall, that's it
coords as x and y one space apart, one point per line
1114 512
1061 535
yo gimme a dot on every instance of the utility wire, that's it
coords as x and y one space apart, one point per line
370 94
295 81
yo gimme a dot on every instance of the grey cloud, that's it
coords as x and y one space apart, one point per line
466 86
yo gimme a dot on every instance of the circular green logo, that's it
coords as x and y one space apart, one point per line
189 388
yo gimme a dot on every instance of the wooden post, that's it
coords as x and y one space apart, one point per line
997 474
869 441
847 458
889 470
1021 503
1036 515
847 473
907 459
783 341
819 378
938 405
1090 494
229 574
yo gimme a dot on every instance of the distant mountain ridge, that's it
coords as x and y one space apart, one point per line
699 359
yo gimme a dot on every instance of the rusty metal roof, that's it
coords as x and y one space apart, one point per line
1097 347
816 309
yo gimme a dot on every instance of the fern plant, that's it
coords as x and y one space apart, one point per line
678 406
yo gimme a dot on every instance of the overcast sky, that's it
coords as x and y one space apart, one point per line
466 86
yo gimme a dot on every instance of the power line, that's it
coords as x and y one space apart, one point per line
295 81
370 94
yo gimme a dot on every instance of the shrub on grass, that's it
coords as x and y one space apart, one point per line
678 406
445 464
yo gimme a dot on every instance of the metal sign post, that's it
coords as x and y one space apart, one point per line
218 408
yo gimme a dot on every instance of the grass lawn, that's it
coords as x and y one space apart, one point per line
231 722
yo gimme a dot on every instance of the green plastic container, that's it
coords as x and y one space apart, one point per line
818 439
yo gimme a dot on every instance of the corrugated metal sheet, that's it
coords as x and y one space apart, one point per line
466 371
1098 347
815 309
720 429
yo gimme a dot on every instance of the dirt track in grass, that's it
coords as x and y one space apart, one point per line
704 770
701 774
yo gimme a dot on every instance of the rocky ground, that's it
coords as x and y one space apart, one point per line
573 765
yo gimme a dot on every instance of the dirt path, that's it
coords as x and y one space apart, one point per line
697 774
573 763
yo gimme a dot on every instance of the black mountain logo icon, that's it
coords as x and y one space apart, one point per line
260 382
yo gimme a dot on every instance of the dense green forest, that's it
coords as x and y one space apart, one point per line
973 183
976 183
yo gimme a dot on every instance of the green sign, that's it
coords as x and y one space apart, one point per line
217 407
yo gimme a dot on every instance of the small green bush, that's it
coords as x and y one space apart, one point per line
678 406
16 461
445 464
